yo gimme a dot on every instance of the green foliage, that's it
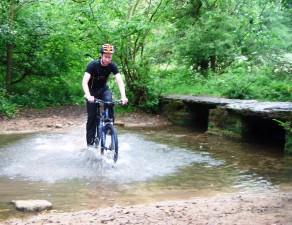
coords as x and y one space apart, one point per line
287 125
230 49
236 49
45 55
211 34
241 81
36 93
36 38
7 107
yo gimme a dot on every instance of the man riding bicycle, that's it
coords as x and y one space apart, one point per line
94 85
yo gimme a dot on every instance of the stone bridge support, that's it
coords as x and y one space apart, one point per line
248 120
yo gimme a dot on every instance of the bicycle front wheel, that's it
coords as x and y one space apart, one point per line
109 142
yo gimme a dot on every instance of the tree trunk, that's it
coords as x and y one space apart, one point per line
213 62
204 64
10 45
9 66
197 4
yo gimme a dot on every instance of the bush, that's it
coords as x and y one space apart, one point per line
7 107
39 93
241 81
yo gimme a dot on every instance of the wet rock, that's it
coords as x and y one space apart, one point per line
32 205
126 212
58 125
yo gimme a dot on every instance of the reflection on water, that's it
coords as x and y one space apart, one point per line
153 165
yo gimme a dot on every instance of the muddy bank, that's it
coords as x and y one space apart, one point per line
49 119
52 119
244 208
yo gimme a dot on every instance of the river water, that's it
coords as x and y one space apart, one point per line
153 165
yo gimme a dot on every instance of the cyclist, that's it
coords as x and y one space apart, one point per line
94 85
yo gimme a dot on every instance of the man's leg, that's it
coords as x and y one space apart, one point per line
91 122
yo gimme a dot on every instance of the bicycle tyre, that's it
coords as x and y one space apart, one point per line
109 142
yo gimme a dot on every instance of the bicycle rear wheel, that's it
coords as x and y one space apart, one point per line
109 142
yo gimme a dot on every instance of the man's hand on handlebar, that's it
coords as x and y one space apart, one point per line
89 98
92 99
124 100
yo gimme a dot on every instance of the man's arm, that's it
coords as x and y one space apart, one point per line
121 86
85 87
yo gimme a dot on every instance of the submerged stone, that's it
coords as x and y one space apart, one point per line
32 205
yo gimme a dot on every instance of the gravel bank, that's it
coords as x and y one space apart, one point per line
244 208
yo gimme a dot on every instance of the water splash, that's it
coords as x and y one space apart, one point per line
62 156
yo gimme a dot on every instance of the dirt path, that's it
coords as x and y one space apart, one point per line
269 208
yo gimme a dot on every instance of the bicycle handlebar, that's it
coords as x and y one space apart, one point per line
96 100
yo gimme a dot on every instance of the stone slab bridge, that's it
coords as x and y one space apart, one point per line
249 120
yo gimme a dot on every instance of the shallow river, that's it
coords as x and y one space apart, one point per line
154 164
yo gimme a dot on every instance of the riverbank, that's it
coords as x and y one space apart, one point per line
56 118
240 208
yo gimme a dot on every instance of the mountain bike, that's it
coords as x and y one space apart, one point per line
106 135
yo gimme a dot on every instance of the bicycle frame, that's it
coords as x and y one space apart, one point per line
107 135
103 116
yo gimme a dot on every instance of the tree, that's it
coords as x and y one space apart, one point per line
213 33
33 40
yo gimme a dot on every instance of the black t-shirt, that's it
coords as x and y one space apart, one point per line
99 74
